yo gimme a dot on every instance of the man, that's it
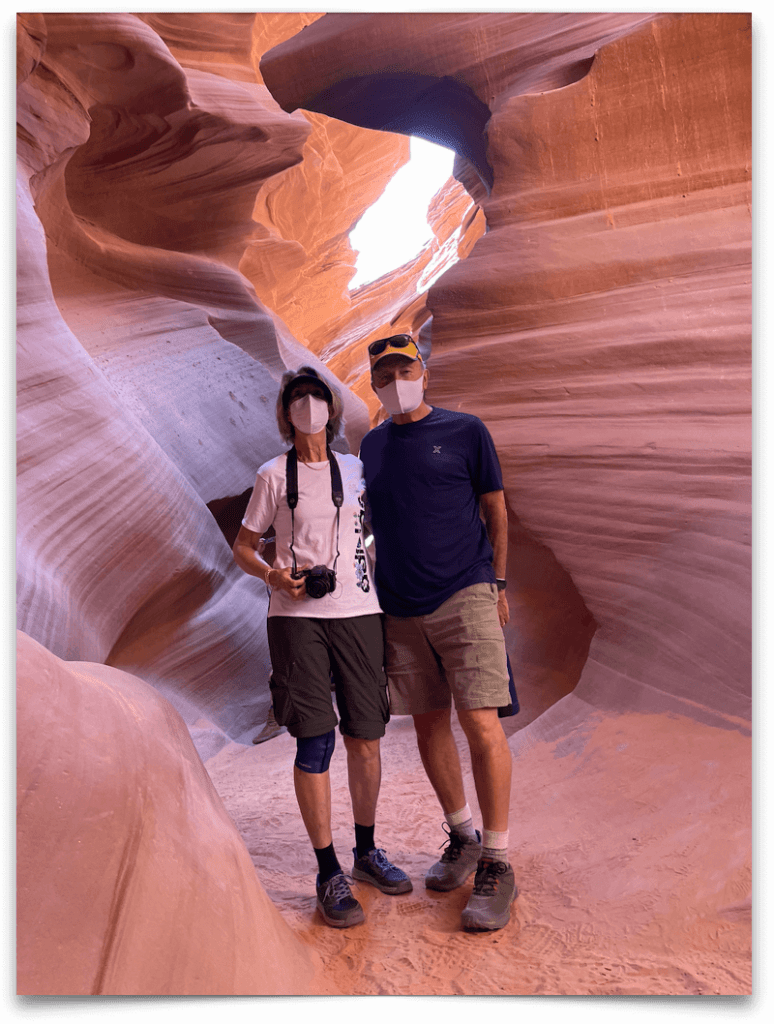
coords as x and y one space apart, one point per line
440 578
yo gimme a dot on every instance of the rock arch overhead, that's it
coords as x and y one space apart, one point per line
441 110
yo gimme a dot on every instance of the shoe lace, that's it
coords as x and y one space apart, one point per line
453 843
487 877
379 859
337 887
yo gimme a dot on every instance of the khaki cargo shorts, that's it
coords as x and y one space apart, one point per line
456 652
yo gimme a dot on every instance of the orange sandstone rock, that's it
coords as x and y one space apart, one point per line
147 367
173 210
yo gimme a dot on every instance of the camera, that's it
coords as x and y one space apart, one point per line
320 580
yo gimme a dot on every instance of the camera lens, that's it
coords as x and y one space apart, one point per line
320 581
316 587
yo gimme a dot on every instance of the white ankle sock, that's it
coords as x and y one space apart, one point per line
461 822
495 845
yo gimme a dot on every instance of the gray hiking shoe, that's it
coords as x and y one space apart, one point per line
457 863
494 890
338 906
373 867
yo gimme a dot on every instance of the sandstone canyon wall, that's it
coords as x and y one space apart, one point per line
185 187
147 370
148 366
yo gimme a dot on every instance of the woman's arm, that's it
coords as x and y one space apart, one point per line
247 557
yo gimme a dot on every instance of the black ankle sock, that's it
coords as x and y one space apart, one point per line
327 862
364 839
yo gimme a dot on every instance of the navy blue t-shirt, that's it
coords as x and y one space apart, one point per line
423 481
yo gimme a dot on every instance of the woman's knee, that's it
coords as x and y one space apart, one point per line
313 753
365 750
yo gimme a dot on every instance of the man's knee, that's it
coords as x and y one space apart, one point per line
313 753
482 727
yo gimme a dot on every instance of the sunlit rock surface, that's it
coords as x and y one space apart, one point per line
303 264
177 249
457 223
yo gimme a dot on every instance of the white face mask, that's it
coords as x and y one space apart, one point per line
309 414
402 395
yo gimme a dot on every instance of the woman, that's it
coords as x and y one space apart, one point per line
324 620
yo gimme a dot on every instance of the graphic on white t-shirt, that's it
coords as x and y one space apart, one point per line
361 565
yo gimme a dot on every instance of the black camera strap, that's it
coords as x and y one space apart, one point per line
291 487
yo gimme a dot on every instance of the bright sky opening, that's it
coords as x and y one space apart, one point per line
395 229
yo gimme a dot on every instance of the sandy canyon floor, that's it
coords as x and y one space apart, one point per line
603 909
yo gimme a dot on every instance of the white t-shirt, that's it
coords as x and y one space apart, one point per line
315 536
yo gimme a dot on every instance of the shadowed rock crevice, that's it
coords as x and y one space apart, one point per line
229 512
177 601
443 111
550 628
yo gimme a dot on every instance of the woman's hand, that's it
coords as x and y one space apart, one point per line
282 579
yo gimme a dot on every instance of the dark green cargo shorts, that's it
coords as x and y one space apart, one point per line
306 654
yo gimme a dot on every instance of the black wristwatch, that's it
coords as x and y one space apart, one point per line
501 584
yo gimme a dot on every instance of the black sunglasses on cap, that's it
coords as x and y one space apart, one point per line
398 343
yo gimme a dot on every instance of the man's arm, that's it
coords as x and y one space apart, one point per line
496 519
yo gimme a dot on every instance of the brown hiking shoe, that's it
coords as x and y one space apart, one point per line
270 730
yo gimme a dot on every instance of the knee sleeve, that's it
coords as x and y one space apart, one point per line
313 755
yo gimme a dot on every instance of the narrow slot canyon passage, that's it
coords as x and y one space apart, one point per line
395 229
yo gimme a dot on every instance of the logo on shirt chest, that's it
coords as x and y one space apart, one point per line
436 449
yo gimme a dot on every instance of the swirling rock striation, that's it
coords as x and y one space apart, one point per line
147 370
147 366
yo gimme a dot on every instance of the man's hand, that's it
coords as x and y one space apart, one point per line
502 607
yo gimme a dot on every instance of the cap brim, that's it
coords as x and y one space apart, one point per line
305 378
409 351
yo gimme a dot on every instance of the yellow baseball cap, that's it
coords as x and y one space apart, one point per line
396 345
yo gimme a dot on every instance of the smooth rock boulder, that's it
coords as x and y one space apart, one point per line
131 877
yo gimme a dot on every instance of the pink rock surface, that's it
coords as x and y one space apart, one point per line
302 265
131 877
147 367
630 841
601 327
